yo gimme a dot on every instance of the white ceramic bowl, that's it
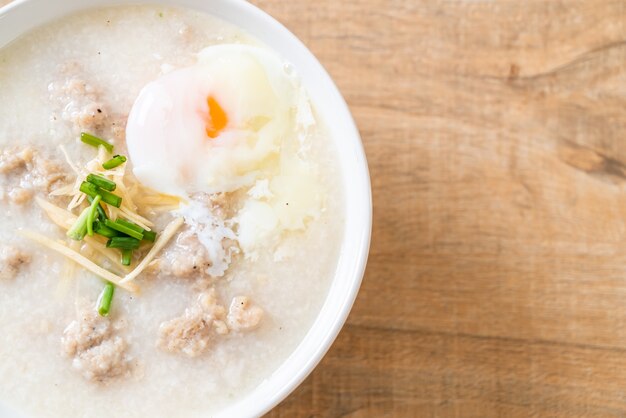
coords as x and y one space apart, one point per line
24 15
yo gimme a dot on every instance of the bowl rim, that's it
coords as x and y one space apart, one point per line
21 16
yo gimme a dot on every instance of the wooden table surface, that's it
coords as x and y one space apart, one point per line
495 133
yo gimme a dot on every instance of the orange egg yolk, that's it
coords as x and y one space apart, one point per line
217 118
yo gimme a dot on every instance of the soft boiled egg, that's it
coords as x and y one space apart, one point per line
214 126
233 120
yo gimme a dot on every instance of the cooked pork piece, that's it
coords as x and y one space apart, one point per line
243 315
11 261
25 171
98 353
192 333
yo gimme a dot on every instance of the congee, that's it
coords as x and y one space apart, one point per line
172 214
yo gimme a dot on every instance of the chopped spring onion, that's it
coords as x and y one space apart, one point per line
130 225
124 243
79 228
149 235
91 215
101 229
95 141
123 229
104 301
92 190
101 213
127 256
101 182
116 161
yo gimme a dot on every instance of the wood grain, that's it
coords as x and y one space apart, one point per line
496 285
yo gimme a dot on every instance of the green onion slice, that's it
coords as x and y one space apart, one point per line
95 141
92 190
102 182
130 225
101 229
104 301
123 229
116 161
79 228
124 243
91 215
149 235
127 256
101 213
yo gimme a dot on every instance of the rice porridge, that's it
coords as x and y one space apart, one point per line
172 215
